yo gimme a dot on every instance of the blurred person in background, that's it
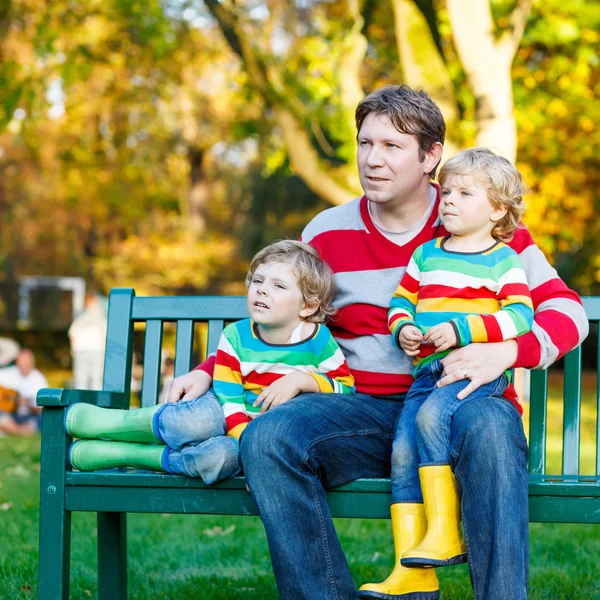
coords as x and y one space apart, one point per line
87 336
24 380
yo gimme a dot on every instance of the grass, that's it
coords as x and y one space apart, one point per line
227 558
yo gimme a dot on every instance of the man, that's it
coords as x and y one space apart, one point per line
290 455
26 381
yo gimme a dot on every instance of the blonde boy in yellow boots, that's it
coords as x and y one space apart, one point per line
465 287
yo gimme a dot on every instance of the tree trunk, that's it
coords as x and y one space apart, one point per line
423 66
487 59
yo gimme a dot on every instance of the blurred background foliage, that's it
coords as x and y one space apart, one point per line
160 144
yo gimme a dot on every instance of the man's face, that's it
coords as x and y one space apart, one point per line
25 362
388 161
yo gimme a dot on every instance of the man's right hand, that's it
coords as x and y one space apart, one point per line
410 340
186 387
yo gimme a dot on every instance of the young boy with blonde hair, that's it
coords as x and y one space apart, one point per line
466 287
281 351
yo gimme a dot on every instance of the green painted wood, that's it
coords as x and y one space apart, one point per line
572 412
136 478
199 308
552 509
55 519
161 500
215 329
538 406
183 347
152 362
582 487
112 556
61 397
119 343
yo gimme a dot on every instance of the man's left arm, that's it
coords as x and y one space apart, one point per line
560 324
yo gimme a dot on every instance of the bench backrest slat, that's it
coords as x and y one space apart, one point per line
537 422
572 412
183 346
215 329
119 343
152 362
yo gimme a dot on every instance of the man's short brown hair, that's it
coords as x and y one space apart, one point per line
315 278
411 112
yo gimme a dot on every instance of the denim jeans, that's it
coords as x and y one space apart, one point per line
194 432
423 430
315 441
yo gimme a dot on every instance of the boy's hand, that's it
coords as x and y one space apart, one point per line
286 388
410 340
186 387
442 336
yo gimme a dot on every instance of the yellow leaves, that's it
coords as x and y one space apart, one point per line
591 36
587 124
166 261
557 108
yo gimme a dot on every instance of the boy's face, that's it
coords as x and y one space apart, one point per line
388 161
465 208
274 298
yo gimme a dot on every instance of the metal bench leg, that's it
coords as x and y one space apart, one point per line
112 556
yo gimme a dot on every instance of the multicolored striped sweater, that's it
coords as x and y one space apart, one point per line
246 364
368 267
483 295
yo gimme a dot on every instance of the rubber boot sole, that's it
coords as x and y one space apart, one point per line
408 596
425 563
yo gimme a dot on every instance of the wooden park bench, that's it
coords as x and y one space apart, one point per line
567 497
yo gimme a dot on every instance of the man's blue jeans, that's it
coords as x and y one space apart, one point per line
423 430
194 432
291 453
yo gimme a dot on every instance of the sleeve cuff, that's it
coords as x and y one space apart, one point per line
399 329
237 431
456 333
208 366
529 354
323 382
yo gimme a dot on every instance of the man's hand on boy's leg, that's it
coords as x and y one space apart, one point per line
286 388
481 363
410 340
186 387
442 336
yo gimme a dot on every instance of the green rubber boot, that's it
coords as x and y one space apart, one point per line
92 422
92 455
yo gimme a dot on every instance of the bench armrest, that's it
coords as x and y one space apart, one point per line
62 397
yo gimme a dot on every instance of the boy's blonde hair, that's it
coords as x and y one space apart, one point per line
501 179
315 278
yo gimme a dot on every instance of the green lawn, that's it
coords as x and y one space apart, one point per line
226 558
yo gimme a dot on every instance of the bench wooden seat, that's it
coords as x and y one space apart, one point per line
565 497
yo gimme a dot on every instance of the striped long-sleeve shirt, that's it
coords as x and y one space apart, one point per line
483 295
246 364
367 268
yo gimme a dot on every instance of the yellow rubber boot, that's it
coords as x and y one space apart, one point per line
408 527
443 544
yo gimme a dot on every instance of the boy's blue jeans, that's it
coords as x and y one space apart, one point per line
194 432
290 454
423 429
